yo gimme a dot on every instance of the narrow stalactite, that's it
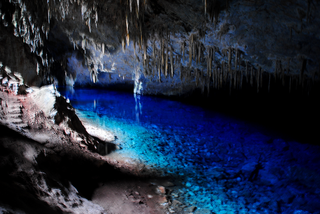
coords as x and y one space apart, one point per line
197 77
236 60
183 51
229 59
210 63
190 50
171 61
199 53
159 65
180 69
166 56
162 55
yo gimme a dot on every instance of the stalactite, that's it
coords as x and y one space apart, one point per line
162 54
138 5
194 52
159 66
183 51
205 7
180 70
197 77
131 6
190 56
171 61
210 62
236 60
199 53
167 57
229 60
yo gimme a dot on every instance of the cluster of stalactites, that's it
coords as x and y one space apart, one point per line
160 59
32 33
132 26
212 9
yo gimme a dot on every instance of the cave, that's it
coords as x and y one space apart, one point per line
156 106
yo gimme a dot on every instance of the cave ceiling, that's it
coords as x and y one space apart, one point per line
166 47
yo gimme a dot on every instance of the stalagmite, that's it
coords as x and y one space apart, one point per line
134 49
172 63
103 47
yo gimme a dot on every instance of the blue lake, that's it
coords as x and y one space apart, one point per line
213 156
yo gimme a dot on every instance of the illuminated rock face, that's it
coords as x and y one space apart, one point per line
168 47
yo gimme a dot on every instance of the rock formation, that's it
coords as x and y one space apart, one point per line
218 44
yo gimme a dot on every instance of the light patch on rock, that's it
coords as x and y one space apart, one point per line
45 98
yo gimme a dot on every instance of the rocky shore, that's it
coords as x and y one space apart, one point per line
50 163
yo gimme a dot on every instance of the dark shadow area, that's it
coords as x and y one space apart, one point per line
290 115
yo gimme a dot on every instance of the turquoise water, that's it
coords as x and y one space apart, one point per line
212 156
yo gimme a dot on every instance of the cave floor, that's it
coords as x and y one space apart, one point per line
217 164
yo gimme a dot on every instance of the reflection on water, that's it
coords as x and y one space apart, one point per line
214 155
